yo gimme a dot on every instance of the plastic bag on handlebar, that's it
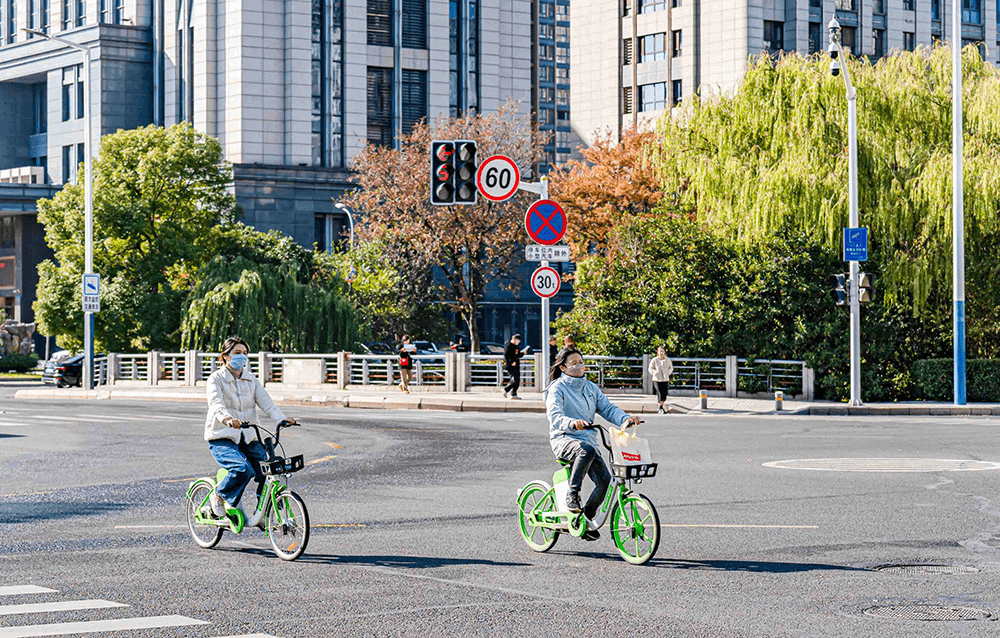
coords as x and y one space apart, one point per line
629 449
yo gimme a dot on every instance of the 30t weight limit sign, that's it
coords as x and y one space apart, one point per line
545 282
498 178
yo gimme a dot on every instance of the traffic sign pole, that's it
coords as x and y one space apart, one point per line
545 309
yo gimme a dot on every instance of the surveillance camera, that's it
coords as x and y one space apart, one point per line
833 50
835 68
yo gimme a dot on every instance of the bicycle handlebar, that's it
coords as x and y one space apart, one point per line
277 430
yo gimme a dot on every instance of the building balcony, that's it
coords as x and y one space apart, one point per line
23 175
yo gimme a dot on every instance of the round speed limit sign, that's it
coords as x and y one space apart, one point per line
545 282
497 178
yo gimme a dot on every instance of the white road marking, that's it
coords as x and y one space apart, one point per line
249 636
62 605
150 526
735 526
517 592
17 590
95 626
885 465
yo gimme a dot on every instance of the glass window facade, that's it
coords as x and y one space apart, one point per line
972 11
774 36
380 22
414 98
415 24
380 100
653 97
463 55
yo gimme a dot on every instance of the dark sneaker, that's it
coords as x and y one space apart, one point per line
573 503
591 535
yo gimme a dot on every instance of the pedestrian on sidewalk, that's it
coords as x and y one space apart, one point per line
553 351
234 394
512 363
406 350
660 369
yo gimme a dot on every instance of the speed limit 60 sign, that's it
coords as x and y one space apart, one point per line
497 178
545 282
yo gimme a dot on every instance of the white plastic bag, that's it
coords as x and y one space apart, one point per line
629 449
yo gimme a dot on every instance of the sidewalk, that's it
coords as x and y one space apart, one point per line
381 398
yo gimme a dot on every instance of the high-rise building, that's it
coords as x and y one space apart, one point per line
634 59
551 80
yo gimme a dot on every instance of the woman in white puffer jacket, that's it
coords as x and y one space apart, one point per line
234 394
660 369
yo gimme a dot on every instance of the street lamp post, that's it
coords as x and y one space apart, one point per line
958 207
88 317
840 63
350 218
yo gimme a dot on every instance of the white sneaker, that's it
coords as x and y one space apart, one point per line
218 504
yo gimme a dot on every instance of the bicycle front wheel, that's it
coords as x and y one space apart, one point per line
288 526
635 528
207 536
539 497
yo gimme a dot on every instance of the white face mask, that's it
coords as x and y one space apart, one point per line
575 370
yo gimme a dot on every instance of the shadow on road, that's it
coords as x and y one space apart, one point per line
47 510
11 436
396 562
751 566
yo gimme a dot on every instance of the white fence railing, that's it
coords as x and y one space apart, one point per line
462 372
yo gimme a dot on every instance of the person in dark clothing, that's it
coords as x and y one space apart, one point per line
553 351
512 363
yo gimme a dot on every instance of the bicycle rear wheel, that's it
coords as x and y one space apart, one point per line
288 526
207 536
536 496
635 529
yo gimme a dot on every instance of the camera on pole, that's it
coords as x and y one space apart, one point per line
834 48
841 292
442 172
465 172
866 287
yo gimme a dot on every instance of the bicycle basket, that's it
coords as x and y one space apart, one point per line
632 472
283 466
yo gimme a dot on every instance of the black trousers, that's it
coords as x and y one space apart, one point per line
587 461
661 390
515 381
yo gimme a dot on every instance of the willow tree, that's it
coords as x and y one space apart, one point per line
772 156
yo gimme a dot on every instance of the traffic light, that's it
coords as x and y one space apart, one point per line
841 292
442 173
866 289
465 172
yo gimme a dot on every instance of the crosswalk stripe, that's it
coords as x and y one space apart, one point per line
95 626
63 605
17 590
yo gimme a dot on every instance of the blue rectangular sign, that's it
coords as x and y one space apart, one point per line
855 244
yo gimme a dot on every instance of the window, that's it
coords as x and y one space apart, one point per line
562 97
546 31
909 41
546 52
627 50
653 97
562 75
67 164
31 17
627 99
119 13
816 3
935 9
455 60
11 21
653 47
334 86
81 156
546 10
380 106
318 39
81 12
472 39
845 5
7 234
626 7
815 38
678 91
774 36
415 24
675 3
72 93
45 16
81 99
879 37
676 39
649 6
546 74
67 15
380 22
972 11
849 38
414 98
562 11
562 55
878 6
464 47
562 34
105 12
908 5
546 116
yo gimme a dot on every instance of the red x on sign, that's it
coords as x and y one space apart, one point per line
545 222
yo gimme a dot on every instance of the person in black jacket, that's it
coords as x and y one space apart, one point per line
512 363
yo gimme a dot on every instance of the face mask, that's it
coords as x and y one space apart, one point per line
575 370
238 361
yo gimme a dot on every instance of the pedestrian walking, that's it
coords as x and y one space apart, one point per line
553 351
568 342
512 363
660 369
406 350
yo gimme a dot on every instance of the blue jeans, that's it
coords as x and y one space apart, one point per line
243 463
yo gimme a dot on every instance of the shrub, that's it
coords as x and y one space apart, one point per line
18 362
934 379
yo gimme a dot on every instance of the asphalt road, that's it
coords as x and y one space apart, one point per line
415 533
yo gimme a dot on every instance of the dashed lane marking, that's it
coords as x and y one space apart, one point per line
885 465
320 460
339 525
150 526
737 526
96 626
64 605
333 445
17 590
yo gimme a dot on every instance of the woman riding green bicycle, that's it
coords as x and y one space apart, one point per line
570 403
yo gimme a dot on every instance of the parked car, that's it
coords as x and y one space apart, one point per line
63 372
489 347
379 348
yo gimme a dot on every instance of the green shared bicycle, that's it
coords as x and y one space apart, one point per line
280 512
635 525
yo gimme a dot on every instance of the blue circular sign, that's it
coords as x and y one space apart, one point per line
545 222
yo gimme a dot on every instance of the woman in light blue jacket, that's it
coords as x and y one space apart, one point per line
570 403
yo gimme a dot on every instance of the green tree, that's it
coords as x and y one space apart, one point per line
159 195
771 158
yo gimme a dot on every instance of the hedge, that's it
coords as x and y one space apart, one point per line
934 379
18 362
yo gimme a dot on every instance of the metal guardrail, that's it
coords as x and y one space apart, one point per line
768 375
132 367
383 369
615 373
699 374
173 366
487 370
101 371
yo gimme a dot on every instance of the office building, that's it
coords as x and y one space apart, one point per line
635 59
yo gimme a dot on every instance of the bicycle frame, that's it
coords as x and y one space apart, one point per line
563 520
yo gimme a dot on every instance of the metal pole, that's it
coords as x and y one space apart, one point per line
545 306
88 318
350 218
958 205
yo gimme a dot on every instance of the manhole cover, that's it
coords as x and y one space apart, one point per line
925 569
925 612
885 465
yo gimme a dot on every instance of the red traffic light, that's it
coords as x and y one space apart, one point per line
445 151
443 173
